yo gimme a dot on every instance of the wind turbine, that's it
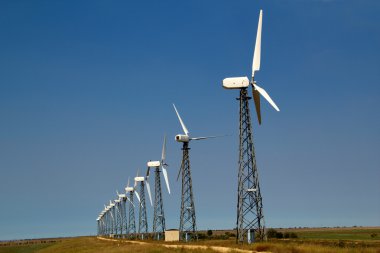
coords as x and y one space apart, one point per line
143 221
123 216
159 216
111 209
131 228
187 225
250 217
118 217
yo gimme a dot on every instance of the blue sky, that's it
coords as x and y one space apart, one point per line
85 98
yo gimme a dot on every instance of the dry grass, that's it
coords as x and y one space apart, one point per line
94 245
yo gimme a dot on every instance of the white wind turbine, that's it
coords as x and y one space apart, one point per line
250 218
143 222
159 216
187 225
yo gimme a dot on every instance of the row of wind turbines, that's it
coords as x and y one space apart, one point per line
112 221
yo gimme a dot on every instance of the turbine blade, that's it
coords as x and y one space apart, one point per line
137 195
256 98
163 155
147 173
149 193
180 121
164 171
207 137
257 53
266 96
128 182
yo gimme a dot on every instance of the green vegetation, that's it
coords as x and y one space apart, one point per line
338 233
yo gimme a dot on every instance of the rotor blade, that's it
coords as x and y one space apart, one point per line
206 137
164 171
137 195
137 172
180 121
147 173
163 155
256 98
117 192
257 53
149 193
128 182
266 96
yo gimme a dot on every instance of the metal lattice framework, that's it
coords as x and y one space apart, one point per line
250 218
143 221
187 227
118 219
159 215
123 206
131 228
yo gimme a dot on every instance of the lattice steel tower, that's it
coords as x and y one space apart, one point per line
159 214
143 221
249 207
131 229
123 213
187 225
250 217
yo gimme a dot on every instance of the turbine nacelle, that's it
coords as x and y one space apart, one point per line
182 138
129 189
236 82
154 164
139 179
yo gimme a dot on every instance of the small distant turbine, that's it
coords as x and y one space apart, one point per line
159 216
143 221
131 227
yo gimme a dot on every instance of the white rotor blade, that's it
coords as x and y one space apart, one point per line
149 193
163 155
137 195
207 137
164 171
180 121
257 53
128 182
266 96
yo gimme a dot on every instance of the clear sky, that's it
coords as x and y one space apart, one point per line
85 98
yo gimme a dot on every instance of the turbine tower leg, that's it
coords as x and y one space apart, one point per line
143 222
250 218
159 216
187 227
131 230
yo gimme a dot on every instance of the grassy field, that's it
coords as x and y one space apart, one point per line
365 233
345 240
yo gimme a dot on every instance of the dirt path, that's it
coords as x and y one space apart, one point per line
202 247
